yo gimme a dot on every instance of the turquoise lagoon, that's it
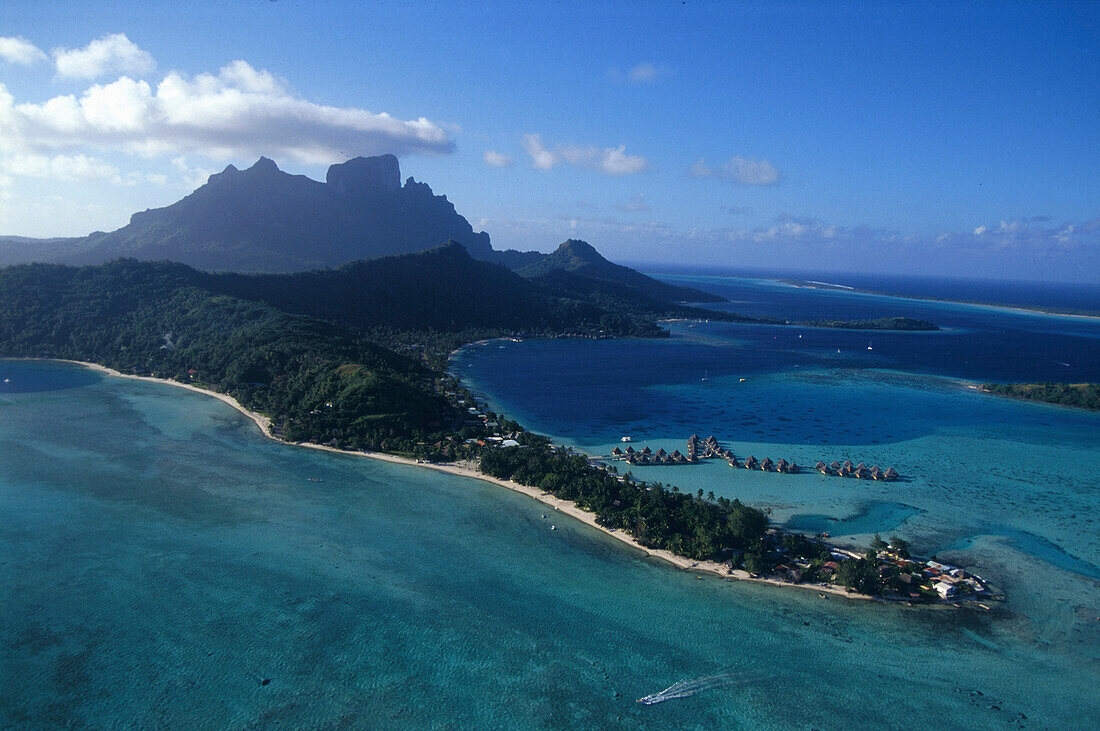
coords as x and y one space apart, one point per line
161 560
1007 488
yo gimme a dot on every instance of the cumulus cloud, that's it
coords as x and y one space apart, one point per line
541 158
1023 235
495 159
741 170
609 160
18 50
238 112
58 167
111 54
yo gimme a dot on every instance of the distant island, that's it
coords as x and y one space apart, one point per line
883 323
1080 395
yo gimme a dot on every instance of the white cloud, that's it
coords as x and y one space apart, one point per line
58 167
495 159
742 170
240 112
541 158
18 50
108 55
609 160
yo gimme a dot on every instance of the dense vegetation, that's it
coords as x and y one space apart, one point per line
657 517
882 323
317 381
1081 395
444 290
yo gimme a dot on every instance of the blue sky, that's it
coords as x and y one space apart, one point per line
957 138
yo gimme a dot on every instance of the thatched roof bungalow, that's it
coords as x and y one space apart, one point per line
820 467
767 465
616 452
781 465
647 450
751 463
891 474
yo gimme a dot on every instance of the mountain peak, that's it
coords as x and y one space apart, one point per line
579 249
264 165
362 175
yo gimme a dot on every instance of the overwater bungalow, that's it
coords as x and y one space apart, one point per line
834 467
781 465
630 450
821 467
767 465
793 469
616 452
732 461
662 453
876 473
891 474
751 463
647 450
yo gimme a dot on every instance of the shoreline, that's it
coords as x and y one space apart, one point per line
563 506
1016 309
810 284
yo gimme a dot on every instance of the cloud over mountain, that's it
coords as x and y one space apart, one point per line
239 112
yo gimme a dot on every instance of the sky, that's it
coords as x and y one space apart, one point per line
957 139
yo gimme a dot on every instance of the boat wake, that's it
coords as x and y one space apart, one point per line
686 688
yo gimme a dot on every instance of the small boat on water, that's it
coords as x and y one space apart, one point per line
626 439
